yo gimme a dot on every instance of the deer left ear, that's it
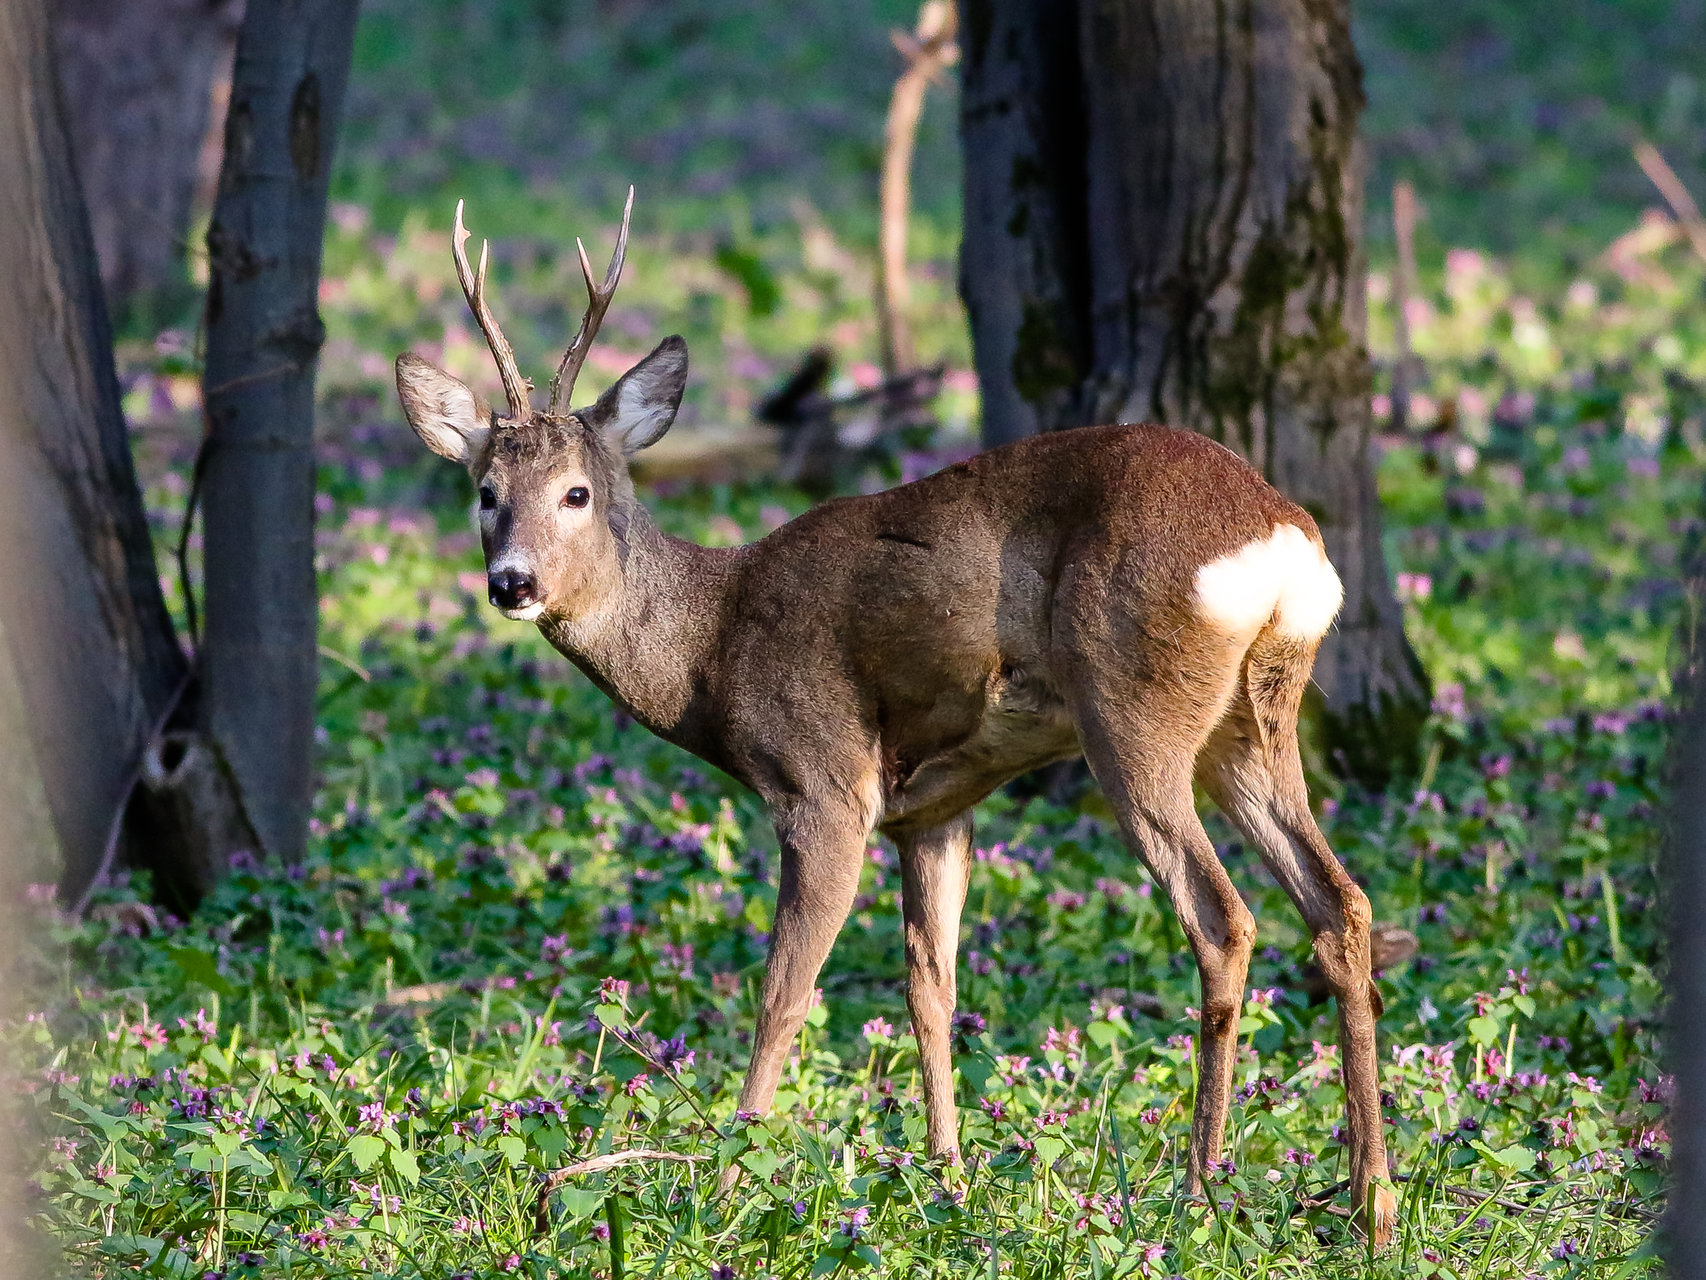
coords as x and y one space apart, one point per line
640 407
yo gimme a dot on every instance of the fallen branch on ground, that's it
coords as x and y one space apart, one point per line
596 1164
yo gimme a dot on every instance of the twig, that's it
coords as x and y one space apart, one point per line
928 50
1486 1197
1675 193
345 661
1323 1200
667 1075
1403 286
244 379
596 1164
1325 1205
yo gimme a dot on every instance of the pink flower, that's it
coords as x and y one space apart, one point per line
1415 586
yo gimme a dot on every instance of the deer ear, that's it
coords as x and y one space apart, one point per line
641 406
448 417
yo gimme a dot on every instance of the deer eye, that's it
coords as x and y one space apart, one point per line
488 497
576 497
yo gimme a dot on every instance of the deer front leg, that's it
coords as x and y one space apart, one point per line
934 865
822 851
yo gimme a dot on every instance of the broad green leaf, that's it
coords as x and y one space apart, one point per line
365 1148
403 1161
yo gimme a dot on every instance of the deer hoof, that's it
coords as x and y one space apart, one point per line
1381 1208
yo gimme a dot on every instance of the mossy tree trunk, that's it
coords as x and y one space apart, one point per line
1163 222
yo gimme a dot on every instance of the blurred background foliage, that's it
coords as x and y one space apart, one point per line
1514 120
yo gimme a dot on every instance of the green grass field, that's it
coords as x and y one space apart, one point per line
530 935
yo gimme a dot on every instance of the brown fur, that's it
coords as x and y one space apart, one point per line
883 663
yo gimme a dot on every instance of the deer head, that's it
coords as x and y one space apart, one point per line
555 497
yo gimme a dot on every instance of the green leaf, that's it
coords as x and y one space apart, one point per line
1515 1159
975 1069
365 1148
761 1163
611 1015
1484 1031
551 1141
763 294
404 1162
199 966
513 1148
128 1246
1102 1034
579 1203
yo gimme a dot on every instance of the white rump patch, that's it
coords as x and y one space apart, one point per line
1285 579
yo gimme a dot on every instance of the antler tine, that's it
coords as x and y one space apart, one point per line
474 289
598 302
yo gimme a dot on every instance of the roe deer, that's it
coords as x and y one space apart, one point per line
1136 594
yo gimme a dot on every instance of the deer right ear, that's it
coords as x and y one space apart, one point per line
448 417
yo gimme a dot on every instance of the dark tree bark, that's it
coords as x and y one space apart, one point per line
1685 884
90 640
1163 222
263 340
142 81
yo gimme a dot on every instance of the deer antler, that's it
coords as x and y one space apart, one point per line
598 302
474 289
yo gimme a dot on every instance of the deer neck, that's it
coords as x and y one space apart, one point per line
651 640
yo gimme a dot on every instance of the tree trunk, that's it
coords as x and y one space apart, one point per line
90 640
263 341
142 81
1163 222
1685 1215
1685 894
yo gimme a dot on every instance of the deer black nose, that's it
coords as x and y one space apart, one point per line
511 588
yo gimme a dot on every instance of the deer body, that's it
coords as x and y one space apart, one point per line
882 663
908 644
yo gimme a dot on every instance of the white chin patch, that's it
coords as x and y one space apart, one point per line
1284 579
527 613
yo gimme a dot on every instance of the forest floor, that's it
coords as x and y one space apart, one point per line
529 934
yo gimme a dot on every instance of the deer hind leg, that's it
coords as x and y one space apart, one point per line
822 851
1141 752
1252 769
934 865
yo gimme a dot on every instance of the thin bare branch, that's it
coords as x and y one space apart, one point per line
598 298
1676 195
474 289
1404 214
597 1164
928 52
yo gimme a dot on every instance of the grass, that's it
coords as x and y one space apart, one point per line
529 935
